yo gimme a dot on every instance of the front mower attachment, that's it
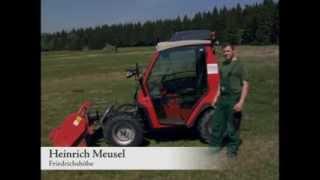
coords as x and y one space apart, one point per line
74 129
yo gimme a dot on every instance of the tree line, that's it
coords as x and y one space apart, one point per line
256 24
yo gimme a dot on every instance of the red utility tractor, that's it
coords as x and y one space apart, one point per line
179 87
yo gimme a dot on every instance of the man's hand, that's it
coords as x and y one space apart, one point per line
215 100
244 92
238 107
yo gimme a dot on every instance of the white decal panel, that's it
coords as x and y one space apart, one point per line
212 68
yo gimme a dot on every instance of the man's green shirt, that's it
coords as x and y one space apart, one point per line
238 74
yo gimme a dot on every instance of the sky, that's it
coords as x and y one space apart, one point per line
58 15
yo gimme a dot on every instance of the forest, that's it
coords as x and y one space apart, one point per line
256 24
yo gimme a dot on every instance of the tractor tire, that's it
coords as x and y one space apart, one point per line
123 130
204 125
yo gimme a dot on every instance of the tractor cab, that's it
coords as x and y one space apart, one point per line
177 81
181 81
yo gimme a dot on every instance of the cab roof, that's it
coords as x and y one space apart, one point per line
172 44
195 34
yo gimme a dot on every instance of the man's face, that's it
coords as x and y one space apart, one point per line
228 53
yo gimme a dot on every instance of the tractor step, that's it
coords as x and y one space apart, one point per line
172 122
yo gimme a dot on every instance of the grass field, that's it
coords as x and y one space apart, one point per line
68 78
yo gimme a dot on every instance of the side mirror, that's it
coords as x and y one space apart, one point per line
133 72
130 73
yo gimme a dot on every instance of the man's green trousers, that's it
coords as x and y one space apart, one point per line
223 126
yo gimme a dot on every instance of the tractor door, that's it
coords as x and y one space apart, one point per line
177 82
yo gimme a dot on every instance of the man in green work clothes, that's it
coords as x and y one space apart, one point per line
233 92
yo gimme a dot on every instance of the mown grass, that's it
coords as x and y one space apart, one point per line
68 78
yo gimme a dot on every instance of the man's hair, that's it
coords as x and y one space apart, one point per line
228 45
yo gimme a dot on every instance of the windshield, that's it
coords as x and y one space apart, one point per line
175 64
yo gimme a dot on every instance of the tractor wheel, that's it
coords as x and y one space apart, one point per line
204 125
123 130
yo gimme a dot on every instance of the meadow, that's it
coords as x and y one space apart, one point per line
70 77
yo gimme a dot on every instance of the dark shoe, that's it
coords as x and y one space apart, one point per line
215 149
232 155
